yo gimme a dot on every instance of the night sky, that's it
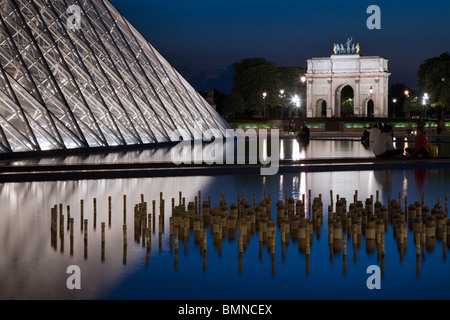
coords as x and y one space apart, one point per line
202 39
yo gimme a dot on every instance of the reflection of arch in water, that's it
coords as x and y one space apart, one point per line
384 178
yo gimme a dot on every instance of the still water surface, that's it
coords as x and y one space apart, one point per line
32 268
290 149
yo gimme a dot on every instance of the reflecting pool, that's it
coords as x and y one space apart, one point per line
215 260
289 149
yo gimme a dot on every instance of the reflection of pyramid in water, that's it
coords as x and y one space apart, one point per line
100 85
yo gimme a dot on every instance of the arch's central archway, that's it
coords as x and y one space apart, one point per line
327 78
345 98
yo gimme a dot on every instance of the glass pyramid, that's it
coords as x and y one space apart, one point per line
77 74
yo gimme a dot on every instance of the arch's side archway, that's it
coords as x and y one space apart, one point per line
320 109
370 108
323 109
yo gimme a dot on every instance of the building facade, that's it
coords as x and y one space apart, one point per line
367 76
78 75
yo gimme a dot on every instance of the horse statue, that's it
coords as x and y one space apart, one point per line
348 48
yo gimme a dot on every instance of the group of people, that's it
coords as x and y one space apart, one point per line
303 133
381 138
371 133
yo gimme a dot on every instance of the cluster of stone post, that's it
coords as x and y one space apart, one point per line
145 223
55 217
241 218
296 220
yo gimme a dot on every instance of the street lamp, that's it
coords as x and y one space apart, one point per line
370 91
424 102
282 96
264 98
425 99
443 80
303 80
296 101
394 101
406 103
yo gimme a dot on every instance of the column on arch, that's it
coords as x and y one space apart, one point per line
376 108
384 98
310 99
357 99
331 105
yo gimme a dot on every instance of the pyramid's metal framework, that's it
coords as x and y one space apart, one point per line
102 84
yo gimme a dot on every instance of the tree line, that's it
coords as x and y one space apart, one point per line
263 89
432 95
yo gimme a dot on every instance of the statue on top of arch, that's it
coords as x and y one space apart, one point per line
348 48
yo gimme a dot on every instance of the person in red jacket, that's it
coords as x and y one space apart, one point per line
421 146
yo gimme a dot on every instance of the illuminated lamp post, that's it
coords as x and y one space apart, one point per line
303 110
394 101
264 99
406 106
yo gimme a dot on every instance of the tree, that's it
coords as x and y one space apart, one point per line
434 79
397 92
233 105
254 77
291 84
413 105
257 86
290 79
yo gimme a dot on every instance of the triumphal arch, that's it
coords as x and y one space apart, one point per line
367 77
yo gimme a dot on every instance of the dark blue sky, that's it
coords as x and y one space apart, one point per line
202 39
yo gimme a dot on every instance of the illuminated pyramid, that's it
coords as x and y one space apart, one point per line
77 74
